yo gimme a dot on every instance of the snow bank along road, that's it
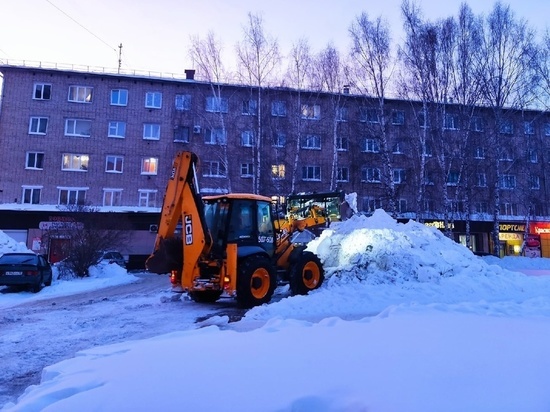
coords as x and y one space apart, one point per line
40 333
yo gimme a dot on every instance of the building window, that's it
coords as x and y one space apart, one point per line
402 206
368 115
342 114
31 195
153 100
506 126
342 144
119 97
215 136
370 174
278 171
481 180
398 147
370 204
452 178
481 207
450 122
422 119
533 156
311 173
429 178
72 195
247 169
429 205
342 174
311 141
505 156
149 165
151 131
38 125
311 111
250 107
183 102
216 104
112 197
398 117
508 209
476 124
78 127
370 145
399 176
479 152
113 164
181 134
75 162
427 150
147 198
507 181
278 108
547 129
247 138
534 182
42 91
35 161
213 169
279 139
117 129
80 94
529 128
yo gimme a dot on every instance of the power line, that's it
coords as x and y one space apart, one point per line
85 28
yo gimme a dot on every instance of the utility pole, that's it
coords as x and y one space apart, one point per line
119 57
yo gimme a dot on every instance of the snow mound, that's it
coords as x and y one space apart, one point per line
380 250
9 245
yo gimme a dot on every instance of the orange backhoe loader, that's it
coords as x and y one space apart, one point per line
231 244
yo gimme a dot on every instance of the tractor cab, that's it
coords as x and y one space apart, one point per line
243 219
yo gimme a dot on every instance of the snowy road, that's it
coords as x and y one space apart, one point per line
120 313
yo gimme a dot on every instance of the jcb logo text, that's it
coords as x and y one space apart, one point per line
188 227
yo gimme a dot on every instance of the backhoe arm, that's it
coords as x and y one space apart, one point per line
182 202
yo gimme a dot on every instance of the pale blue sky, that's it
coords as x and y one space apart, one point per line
155 34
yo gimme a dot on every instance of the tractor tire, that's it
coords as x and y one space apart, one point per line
206 296
306 274
256 281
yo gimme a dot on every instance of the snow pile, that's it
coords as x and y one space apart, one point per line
378 249
373 262
9 245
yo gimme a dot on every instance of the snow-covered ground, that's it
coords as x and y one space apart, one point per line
407 320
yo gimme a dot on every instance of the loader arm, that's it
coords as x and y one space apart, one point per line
182 203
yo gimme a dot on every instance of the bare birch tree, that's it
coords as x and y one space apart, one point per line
299 74
328 76
371 70
505 69
257 60
206 55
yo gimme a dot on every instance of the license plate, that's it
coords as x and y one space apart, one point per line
14 273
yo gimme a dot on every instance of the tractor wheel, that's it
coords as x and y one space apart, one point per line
306 274
205 296
256 281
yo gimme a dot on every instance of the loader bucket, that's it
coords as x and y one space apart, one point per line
167 257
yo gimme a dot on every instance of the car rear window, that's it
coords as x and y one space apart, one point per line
22 259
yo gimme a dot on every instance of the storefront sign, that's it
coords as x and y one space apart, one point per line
510 236
510 227
60 225
439 224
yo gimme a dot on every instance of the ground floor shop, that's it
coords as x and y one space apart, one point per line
42 232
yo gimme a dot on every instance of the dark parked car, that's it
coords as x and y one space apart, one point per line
25 269
112 256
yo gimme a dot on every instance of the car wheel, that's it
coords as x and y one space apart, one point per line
37 287
49 281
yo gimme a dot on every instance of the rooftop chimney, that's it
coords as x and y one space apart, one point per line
190 74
